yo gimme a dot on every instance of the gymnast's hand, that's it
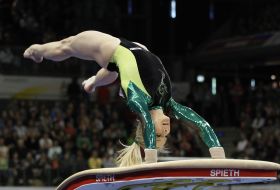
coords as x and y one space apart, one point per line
33 53
89 84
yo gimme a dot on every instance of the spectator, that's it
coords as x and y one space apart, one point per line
4 169
94 161
66 166
81 163
17 170
55 150
4 149
242 143
45 142
83 143
258 121
20 129
74 90
108 161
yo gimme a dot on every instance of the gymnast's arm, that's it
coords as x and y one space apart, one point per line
105 77
102 78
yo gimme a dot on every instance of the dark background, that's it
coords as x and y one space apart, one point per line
235 42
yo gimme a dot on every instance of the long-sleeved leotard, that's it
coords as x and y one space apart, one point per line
147 86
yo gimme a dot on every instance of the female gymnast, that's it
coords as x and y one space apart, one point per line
144 83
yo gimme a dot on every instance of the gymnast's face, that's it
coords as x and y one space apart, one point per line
162 126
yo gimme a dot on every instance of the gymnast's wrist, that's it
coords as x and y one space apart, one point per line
151 155
217 152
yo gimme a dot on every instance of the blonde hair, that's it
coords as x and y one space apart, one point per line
131 155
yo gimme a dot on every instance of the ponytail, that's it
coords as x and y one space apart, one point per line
131 155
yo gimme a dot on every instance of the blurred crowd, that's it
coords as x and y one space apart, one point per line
259 125
236 103
254 113
259 18
44 21
43 142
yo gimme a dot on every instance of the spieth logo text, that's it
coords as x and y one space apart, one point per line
105 178
225 173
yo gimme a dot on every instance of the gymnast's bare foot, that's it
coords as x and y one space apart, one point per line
89 84
32 53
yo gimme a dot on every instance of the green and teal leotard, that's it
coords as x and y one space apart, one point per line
147 86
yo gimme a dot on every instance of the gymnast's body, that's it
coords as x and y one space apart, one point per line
145 85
